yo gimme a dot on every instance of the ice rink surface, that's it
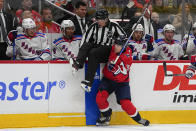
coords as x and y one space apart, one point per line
163 127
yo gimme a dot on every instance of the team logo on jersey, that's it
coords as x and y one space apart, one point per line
121 69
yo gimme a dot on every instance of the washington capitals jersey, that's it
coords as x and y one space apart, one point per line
64 49
29 48
167 51
120 73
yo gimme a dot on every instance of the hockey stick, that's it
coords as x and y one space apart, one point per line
165 71
188 35
124 46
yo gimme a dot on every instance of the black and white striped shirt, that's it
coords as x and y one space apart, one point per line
102 35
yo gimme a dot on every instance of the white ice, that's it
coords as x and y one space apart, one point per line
154 127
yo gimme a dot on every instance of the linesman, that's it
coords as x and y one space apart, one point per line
96 45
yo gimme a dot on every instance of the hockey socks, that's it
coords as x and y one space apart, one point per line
130 109
106 112
101 100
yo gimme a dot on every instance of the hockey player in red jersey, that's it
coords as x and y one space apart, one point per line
116 79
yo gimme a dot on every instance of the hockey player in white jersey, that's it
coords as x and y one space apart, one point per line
168 48
67 46
30 45
189 42
140 47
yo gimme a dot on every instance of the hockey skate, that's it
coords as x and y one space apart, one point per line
104 119
86 85
144 122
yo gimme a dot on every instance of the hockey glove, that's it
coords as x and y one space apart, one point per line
74 64
111 66
184 57
189 73
144 56
86 85
149 38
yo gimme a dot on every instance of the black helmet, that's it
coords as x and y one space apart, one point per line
120 40
101 14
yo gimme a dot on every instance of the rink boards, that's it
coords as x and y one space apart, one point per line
36 94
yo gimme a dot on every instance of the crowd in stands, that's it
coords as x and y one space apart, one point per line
153 38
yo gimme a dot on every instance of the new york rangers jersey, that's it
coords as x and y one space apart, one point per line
189 45
64 49
30 48
138 48
120 72
167 51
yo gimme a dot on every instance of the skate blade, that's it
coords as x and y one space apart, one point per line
102 124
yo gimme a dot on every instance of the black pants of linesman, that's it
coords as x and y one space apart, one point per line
3 48
96 54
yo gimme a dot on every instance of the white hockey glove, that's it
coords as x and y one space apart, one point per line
73 65
189 73
86 85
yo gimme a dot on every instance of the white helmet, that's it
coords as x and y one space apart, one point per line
168 27
138 28
28 23
66 23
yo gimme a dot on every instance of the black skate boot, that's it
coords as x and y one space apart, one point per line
144 122
86 85
104 119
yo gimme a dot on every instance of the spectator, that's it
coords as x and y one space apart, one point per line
6 25
132 7
158 3
156 20
140 46
27 14
47 24
27 5
80 20
68 6
66 47
30 45
168 48
178 19
149 26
